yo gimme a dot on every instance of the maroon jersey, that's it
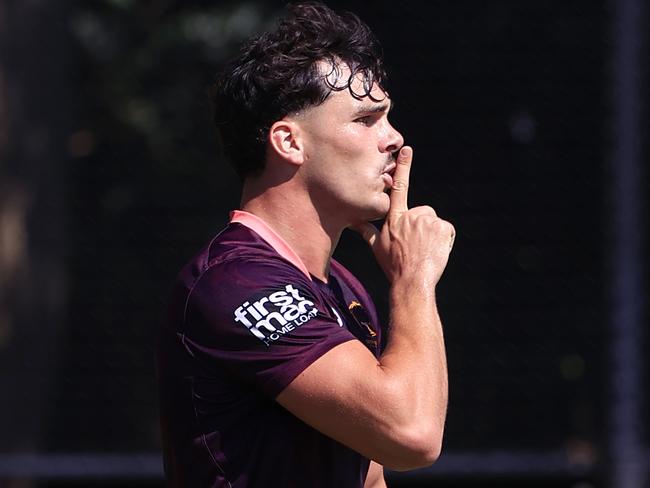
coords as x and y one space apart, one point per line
245 319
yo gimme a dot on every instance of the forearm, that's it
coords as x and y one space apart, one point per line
414 364
415 353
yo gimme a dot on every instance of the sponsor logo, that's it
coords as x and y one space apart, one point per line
273 315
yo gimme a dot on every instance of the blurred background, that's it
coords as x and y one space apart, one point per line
529 122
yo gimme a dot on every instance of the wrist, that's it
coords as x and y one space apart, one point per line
413 287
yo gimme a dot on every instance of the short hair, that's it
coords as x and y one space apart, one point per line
280 72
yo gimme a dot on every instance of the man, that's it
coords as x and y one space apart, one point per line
273 368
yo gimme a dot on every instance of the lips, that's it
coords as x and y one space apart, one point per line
387 174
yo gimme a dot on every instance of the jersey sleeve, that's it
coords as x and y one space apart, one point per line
260 320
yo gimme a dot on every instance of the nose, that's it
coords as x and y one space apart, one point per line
393 140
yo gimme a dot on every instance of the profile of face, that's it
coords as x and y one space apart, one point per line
349 148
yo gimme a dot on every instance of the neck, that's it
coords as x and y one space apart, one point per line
293 216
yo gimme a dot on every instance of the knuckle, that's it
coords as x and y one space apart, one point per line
425 221
424 210
400 185
444 226
448 227
430 211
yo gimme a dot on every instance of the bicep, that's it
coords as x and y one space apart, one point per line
345 395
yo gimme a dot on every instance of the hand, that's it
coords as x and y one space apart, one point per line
413 243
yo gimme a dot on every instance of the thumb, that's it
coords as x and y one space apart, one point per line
368 232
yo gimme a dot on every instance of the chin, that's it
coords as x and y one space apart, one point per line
379 210
368 210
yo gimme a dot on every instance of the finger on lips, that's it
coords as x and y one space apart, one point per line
399 192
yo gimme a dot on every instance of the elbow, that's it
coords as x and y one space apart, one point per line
427 452
418 446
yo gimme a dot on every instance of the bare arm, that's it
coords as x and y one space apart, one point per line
375 478
391 410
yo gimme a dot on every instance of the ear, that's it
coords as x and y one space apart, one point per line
284 141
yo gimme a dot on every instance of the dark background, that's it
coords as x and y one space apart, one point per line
110 179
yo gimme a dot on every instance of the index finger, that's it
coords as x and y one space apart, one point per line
399 192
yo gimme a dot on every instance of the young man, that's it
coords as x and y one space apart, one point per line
274 370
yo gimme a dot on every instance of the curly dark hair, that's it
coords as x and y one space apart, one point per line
280 72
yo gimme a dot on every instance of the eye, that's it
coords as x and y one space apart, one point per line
366 120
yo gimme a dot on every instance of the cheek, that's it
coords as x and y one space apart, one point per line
346 154
348 142
330 145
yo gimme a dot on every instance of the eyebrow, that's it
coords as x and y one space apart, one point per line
375 108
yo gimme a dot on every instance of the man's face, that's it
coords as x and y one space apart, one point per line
348 147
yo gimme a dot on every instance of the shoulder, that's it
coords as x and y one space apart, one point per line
241 278
236 256
233 267
237 280
242 273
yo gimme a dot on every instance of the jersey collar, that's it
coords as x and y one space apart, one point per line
262 229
